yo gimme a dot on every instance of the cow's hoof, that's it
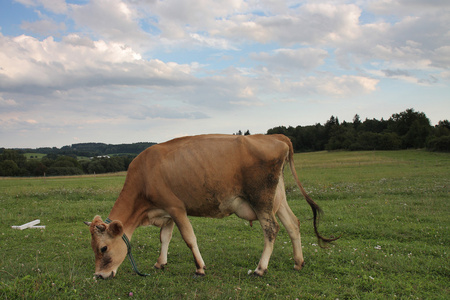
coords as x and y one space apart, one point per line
259 273
299 267
159 266
201 271
197 274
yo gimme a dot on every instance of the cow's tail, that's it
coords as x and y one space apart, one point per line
317 211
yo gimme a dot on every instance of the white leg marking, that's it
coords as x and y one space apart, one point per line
165 237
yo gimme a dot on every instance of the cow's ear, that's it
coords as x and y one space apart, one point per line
115 229
87 223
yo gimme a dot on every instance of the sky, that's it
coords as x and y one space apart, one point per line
127 71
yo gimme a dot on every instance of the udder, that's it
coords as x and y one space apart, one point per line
243 210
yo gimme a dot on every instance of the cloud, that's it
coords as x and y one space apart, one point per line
441 57
216 43
409 39
178 19
406 7
158 111
395 73
428 81
7 103
310 23
305 59
48 65
43 27
55 6
79 76
335 86
112 20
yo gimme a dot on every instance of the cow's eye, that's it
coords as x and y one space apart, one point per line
103 249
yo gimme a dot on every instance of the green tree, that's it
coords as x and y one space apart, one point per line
12 163
66 161
417 134
341 137
35 167
14 155
356 121
9 167
440 139
413 127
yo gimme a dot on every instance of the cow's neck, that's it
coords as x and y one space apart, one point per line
131 211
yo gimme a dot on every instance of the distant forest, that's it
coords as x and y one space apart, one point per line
93 149
77 159
405 130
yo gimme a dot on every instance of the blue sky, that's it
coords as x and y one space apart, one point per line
124 71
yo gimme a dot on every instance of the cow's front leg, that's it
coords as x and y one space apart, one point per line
165 236
270 229
187 232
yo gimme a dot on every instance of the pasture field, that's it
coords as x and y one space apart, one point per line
30 155
392 209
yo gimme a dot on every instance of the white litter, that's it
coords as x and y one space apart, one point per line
31 224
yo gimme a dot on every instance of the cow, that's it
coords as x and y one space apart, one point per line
204 176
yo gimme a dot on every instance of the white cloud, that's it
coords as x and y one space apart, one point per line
7 103
157 111
56 6
305 59
406 7
112 20
76 61
310 23
441 57
43 27
334 86
216 43
178 18
416 44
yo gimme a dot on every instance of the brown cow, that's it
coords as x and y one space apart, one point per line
205 176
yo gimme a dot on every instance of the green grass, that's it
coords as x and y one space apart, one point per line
30 155
392 209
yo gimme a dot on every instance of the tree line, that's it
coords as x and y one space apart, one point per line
14 163
96 158
93 149
405 130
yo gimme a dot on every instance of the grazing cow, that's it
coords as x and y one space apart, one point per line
204 176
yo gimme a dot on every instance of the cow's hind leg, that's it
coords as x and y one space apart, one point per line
291 224
187 232
165 237
270 229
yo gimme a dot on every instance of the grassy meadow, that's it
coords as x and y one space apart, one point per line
392 209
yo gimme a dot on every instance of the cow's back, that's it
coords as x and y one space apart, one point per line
214 151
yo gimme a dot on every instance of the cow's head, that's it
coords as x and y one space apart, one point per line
109 248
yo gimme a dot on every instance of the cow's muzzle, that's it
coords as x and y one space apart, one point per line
104 276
